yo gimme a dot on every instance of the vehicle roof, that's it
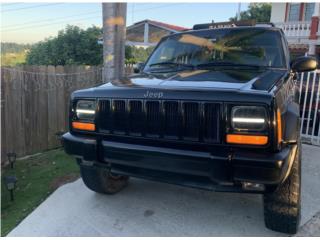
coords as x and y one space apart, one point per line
276 29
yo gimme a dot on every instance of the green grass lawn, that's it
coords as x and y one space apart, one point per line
38 176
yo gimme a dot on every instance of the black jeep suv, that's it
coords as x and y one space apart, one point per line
212 108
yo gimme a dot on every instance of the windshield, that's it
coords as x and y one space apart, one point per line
256 47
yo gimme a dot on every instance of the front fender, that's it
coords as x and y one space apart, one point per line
292 123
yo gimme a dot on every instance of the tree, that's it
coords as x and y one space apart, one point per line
260 12
75 46
135 54
72 46
142 54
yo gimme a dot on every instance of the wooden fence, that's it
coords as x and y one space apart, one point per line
34 105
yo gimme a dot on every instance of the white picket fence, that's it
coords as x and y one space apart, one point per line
309 99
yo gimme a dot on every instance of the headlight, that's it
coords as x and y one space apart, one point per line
86 110
248 118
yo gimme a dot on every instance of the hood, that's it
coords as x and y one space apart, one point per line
197 79
225 85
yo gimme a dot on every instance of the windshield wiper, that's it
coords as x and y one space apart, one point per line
228 64
173 64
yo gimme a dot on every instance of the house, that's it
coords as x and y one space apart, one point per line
148 33
300 23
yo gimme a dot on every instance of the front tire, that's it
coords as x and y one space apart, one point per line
282 208
101 181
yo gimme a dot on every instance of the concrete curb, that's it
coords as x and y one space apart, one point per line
310 228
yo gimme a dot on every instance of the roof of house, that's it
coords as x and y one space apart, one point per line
174 28
170 26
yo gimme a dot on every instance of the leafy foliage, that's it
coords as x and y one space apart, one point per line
135 55
72 46
261 12
141 54
75 46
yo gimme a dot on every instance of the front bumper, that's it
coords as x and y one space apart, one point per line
220 170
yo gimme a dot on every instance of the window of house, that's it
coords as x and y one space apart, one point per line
156 33
136 33
294 11
308 11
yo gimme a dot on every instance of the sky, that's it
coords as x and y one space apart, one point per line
33 22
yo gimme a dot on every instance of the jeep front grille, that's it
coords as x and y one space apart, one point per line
160 119
191 126
136 116
172 119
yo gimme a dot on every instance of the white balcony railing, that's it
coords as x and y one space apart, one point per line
295 29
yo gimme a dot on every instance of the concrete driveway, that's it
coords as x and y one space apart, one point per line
155 209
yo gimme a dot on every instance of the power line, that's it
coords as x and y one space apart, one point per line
141 4
44 25
9 4
132 14
37 6
52 19
162 6
47 20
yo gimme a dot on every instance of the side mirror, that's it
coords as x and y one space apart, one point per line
304 64
138 68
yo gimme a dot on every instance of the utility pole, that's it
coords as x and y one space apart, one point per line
239 10
114 34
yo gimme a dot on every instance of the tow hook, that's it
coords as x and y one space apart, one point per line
230 155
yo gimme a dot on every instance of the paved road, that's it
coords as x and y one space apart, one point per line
155 209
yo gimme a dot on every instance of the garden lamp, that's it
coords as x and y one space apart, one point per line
12 156
59 135
10 182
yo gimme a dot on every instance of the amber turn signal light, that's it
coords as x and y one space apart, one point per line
83 126
279 126
247 139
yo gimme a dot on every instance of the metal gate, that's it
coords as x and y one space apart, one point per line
309 99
